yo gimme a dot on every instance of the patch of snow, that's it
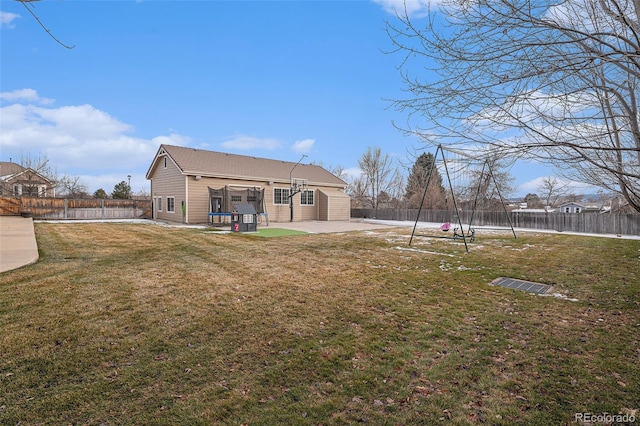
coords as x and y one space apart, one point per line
444 266
559 296
424 251
496 229
464 268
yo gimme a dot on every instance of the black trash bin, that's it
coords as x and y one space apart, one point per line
244 218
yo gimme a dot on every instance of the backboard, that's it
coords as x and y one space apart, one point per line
299 185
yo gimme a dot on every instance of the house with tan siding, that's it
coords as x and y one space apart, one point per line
197 186
17 181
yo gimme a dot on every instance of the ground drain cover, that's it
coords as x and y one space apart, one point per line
529 286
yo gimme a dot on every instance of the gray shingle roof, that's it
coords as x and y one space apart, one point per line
201 162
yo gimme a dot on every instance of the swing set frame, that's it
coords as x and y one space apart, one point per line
459 232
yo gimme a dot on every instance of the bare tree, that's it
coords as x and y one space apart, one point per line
40 164
551 189
489 184
339 171
143 194
357 189
396 189
37 166
71 186
557 81
377 173
355 185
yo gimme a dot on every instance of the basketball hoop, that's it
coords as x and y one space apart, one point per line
298 185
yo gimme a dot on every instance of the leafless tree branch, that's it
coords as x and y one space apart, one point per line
556 81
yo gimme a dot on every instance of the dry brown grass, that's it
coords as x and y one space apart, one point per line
145 324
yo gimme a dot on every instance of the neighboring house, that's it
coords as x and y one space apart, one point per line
574 207
198 186
18 181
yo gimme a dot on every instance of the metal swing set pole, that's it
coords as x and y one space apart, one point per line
455 204
502 202
475 200
424 194
495 182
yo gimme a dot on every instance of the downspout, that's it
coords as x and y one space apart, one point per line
153 203
185 207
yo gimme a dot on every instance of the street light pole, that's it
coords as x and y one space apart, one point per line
129 177
291 194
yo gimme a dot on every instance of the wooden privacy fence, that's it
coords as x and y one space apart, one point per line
82 208
591 223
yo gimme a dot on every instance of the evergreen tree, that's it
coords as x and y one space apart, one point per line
121 191
436 194
100 193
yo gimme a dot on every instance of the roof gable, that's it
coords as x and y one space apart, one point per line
11 172
8 169
199 162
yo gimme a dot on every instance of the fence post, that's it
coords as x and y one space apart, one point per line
66 208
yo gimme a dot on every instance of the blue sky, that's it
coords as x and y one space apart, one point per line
274 79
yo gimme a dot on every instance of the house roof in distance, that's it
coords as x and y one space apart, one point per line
10 171
200 162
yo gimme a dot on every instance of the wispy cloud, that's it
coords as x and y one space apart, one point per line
413 8
534 186
351 174
303 146
7 18
244 143
25 95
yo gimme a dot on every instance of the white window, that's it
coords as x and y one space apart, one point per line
281 195
159 204
171 204
306 198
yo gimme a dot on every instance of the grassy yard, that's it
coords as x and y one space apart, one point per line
143 324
